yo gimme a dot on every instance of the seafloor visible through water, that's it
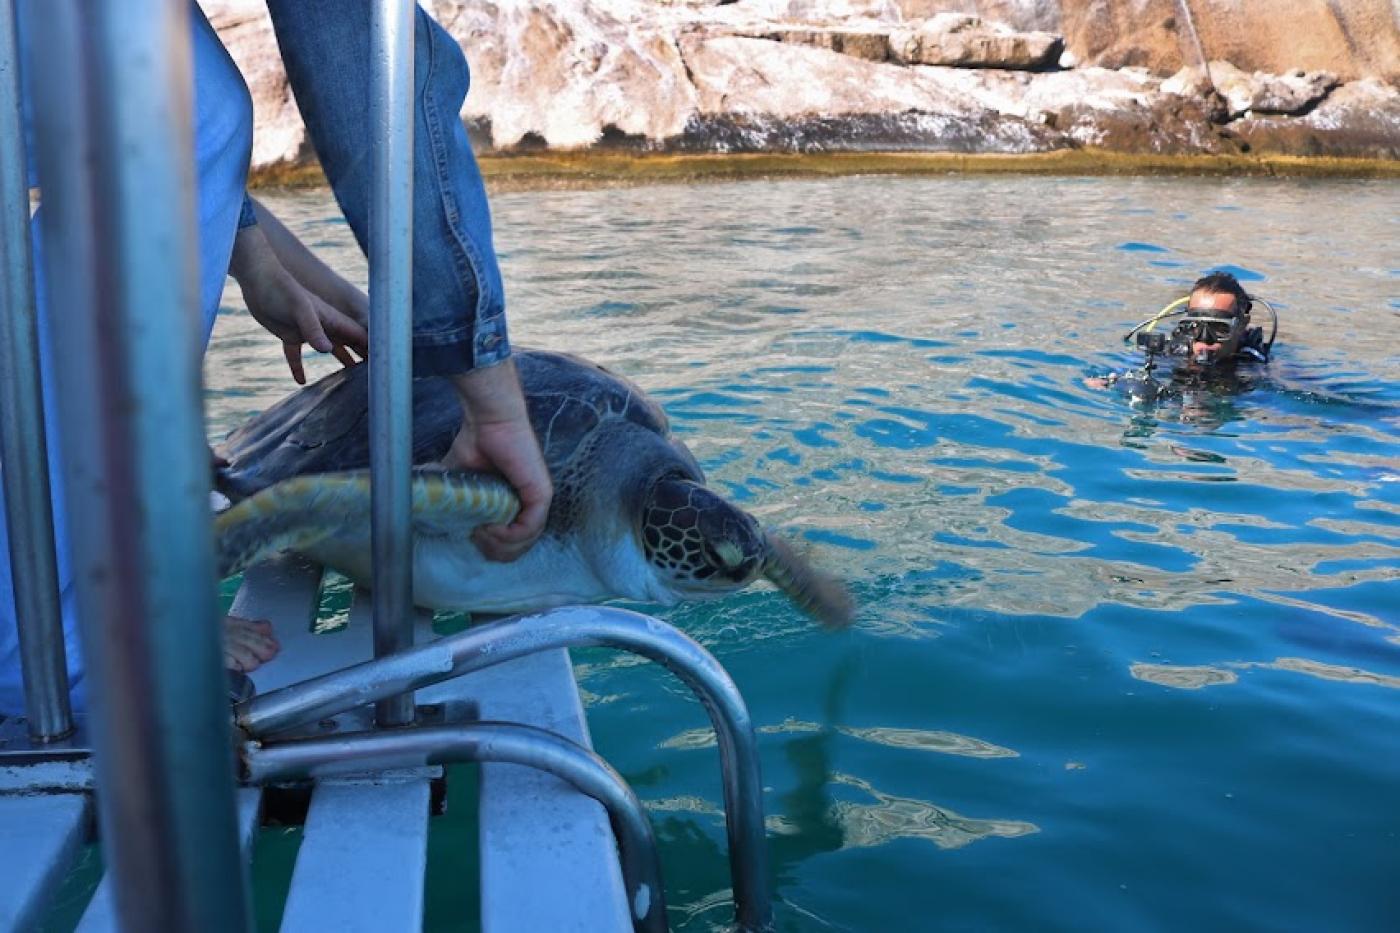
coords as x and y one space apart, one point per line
1115 668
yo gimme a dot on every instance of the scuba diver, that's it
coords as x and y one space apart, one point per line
1211 332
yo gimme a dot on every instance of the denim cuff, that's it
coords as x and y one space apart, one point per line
461 349
247 217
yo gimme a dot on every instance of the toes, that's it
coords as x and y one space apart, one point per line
266 649
262 626
236 659
248 643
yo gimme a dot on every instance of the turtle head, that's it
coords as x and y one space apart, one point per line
697 541
704 546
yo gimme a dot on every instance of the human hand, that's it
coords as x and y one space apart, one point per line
496 437
294 313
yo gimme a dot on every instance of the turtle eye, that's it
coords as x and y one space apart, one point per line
727 558
726 554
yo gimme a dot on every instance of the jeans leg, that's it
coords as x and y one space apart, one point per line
223 145
458 303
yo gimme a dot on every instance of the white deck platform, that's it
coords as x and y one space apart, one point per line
548 856
39 835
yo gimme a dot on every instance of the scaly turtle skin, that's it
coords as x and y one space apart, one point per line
631 516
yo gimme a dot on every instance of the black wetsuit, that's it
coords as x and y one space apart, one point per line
1253 346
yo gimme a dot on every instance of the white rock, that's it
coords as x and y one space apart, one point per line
960 39
1256 92
566 71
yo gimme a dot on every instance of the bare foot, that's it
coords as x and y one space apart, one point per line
248 643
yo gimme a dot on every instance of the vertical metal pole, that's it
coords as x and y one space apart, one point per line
28 507
116 162
391 332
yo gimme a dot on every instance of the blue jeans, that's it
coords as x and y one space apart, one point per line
223 125
458 302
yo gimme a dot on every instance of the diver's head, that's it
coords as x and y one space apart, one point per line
1216 319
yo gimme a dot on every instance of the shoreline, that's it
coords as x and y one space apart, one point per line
567 170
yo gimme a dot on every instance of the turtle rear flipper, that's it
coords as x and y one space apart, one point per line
296 514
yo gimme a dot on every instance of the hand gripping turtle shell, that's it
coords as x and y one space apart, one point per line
631 516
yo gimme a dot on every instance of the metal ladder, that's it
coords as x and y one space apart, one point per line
361 864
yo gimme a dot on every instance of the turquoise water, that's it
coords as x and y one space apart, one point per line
1114 668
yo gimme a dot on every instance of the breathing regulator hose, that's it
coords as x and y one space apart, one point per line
1169 311
1273 321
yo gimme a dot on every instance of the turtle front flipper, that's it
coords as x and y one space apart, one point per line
296 514
820 595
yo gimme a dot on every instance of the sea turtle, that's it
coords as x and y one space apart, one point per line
631 517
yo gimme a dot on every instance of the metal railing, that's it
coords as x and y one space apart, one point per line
113 129
23 446
390 333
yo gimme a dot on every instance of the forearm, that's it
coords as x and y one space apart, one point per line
497 437
252 255
304 265
491 394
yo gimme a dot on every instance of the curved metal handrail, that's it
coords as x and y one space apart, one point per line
512 743
579 627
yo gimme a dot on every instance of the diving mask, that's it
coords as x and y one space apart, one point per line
1206 326
1207 329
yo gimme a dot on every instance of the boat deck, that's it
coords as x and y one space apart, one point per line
549 860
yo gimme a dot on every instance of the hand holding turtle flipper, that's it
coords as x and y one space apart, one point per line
496 437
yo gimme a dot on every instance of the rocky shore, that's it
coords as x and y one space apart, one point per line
1073 82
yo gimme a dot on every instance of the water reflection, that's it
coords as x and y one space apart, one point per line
1183 678
1336 672
946 743
1194 678
891 818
